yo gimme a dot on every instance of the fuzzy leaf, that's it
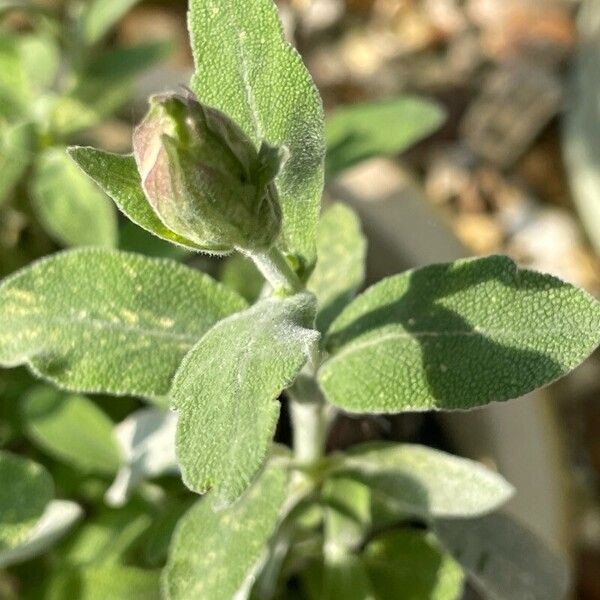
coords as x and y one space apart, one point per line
58 518
455 336
72 429
426 482
213 552
245 68
361 131
340 269
100 320
504 560
225 392
25 492
69 206
118 176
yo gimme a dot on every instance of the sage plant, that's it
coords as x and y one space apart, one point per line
236 165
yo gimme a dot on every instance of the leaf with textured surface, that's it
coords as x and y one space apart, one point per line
245 68
26 490
55 522
409 561
426 482
225 392
118 176
69 206
72 429
102 320
504 560
340 268
360 131
213 552
456 336
112 582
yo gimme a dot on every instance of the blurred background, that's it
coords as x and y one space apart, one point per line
455 128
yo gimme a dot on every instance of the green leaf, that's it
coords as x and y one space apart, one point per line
69 206
240 274
58 518
118 176
340 269
504 560
40 57
226 389
245 68
106 537
102 320
99 16
409 561
108 80
104 583
455 336
25 492
422 481
16 151
72 429
15 92
345 576
360 131
214 552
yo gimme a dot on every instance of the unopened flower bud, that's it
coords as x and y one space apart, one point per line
204 178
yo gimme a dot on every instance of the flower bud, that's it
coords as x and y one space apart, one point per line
203 177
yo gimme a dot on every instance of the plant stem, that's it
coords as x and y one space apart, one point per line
307 407
276 270
308 419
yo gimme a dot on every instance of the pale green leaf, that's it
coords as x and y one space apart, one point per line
99 16
345 576
72 429
118 176
15 92
16 152
106 537
408 562
25 491
69 206
40 56
360 131
106 583
147 441
245 68
455 336
240 274
504 560
422 481
340 269
102 320
226 389
213 552
58 518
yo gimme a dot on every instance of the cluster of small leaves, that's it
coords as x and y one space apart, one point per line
57 82
381 521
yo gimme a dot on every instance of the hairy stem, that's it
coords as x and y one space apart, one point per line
307 407
276 270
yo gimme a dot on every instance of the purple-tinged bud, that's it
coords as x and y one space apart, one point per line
203 177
